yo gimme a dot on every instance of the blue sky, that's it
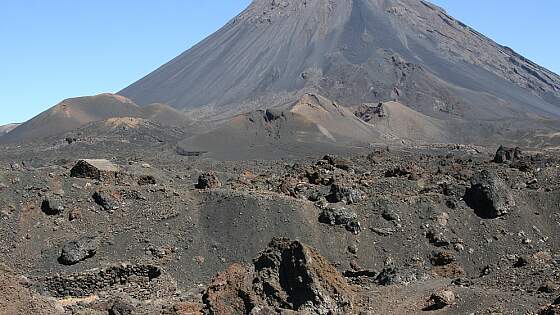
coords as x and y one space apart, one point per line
55 49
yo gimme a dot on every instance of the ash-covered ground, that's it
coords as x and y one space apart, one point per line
121 223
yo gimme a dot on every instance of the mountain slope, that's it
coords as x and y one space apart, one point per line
7 128
352 51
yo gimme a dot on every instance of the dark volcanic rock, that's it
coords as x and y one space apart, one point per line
146 180
549 287
94 169
341 192
368 113
489 196
388 276
442 258
341 216
271 115
408 170
437 238
553 309
52 205
318 177
507 155
208 181
288 275
105 200
521 262
289 186
121 307
338 162
78 250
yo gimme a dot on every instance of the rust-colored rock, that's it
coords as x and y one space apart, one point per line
208 181
288 275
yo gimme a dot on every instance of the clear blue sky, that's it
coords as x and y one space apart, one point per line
55 49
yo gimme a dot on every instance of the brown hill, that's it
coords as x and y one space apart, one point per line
314 124
77 112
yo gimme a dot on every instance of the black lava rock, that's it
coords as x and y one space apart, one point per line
489 196
52 205
341 216
106 201
78 250
507 155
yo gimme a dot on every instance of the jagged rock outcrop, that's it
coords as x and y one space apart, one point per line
288 275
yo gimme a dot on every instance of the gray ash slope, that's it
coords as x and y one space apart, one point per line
353 51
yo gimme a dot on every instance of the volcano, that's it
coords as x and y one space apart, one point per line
354 52
442 81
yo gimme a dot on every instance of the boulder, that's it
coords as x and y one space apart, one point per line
318 177
208 181
79 250
507 155
344 193
121 307
338 162
52 205
287 276
230 292
390 215
392 274
442 258
388 276
105 200
94 169
441 299
289 186
553 309
15 167
341 216
272 115
489 196
146 180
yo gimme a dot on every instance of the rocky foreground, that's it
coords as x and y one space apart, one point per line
133 227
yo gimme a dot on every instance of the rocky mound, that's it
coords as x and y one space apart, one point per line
288 275
314 124
399 122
